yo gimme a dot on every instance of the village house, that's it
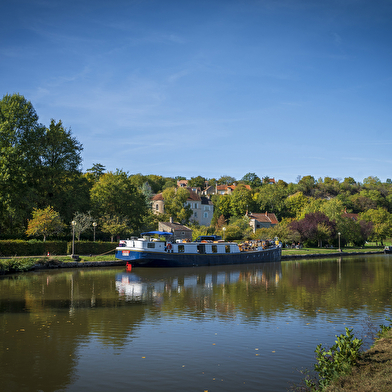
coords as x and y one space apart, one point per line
180 232
262 220
222 189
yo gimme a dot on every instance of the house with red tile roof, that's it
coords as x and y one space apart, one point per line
182 183
228 189
350 215
262 220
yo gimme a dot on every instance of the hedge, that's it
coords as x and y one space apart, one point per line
40 248
93 248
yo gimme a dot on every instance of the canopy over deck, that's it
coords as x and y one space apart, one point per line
157 232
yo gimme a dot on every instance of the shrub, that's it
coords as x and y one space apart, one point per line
335 361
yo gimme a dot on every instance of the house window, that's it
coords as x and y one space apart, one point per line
195 215
156 207
195 205
206 215
206 208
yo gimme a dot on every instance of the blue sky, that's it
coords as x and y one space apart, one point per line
280 88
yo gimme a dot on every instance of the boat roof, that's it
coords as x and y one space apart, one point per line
157 232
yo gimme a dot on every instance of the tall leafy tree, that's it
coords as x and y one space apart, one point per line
382 223
20 148
226 180
307 185
241 200
176 205
252 179
60 161
96 171
198 181
115 195
115 225
272 199
295 203
222 206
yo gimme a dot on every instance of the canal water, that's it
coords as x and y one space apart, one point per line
229 328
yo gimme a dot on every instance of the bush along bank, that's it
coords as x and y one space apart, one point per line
9 266
344 367
22 264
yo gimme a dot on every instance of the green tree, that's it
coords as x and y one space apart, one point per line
20 148
198 181
226 180
60 172
115 225
96 171
295 203
307 185
251 179
241 200
272 199
45 222
382 223
371 182
176 205
222 206
156 182
115 195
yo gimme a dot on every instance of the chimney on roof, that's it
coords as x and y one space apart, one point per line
171 219
266 213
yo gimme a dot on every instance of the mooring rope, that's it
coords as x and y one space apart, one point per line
107 252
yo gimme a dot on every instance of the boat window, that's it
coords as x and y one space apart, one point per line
214 249
181 249
227 248
150 245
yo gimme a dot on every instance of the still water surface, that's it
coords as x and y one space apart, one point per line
230 328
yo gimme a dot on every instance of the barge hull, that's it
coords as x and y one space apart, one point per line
152 259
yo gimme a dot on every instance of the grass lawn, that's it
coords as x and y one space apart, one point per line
313 251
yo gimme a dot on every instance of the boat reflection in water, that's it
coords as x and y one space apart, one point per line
143 287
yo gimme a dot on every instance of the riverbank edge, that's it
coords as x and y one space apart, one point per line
326 255
373 371
54 263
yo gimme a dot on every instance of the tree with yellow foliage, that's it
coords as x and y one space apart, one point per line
45 222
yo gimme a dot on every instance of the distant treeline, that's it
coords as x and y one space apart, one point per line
40 167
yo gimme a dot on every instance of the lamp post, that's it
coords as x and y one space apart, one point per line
94 226
73 223
224 229
339 243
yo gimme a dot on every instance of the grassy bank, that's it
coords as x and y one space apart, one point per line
373 370
20 264
344 368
